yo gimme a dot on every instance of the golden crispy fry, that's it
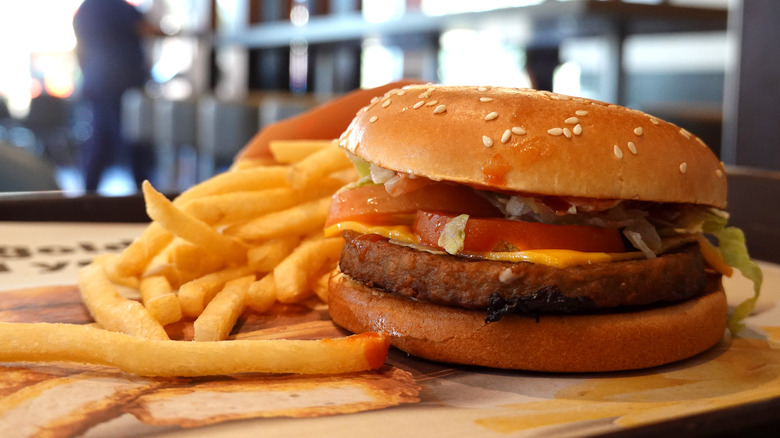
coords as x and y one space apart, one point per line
265 256
196 294
111 310
159 299
248 163
241 206
189 228
44 342
297 220
291 276
134 260
108 262
220 315
293 151
313 168
194 259
256 178
262 294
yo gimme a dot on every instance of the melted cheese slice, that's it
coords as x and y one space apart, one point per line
559 258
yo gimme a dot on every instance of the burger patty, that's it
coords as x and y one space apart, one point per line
503 287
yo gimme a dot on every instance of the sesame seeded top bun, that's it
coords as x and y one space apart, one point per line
522 140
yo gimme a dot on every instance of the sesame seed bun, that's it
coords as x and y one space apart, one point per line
523 140
571 343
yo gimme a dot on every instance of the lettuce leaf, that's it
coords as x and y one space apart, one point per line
363 169
453 234
731 242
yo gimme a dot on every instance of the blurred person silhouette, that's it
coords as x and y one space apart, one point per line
109 35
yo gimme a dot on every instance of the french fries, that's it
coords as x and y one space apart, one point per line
44 342
158 297
222 312
111 310
291 276
245 239
289 152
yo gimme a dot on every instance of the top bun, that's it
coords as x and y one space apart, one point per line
535 142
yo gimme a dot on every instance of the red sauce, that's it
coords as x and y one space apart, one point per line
495 170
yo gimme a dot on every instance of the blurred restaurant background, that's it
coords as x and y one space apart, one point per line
223 69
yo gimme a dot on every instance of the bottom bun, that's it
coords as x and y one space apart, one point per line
571 343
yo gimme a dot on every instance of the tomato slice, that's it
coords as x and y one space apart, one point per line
372 204
493 234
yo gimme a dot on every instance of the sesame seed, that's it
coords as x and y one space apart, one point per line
401 92
485 99
424 96
617 151
701 142
482 89
719 173
685 133
572 121
506 135
518 130
373 119
683 167
432 103
559 97
581 113
491 116
386 103
577 130
654 121
374 99
567 132
440 109
555 131
638 130
487 141
418 104
632 147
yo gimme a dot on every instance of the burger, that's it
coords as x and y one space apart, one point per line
523 229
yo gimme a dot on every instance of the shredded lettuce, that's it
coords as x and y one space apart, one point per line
363 169
453 234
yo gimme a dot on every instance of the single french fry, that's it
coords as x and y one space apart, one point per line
293 151
297 220
195 259
248 163
134 260
196 294
108 261
262 294
159 299
256 178
314 167
222 312
241 206
291 276
43 342
190 228
111 310
265 256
